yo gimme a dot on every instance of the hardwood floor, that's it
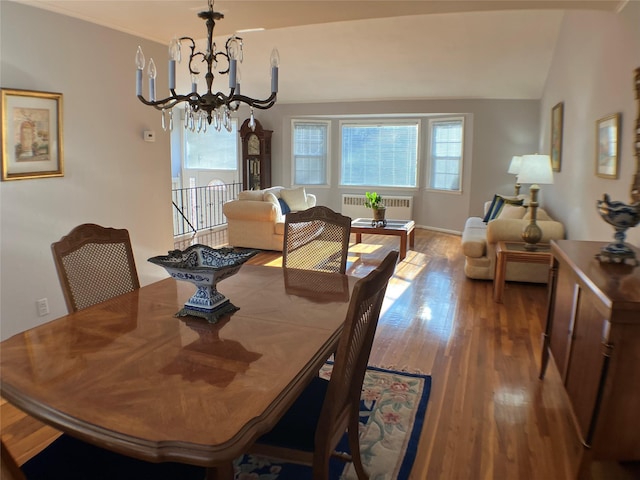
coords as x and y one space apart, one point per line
489 417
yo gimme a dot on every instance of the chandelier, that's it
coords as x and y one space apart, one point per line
209 107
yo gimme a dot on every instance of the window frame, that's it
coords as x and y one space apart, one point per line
429 161
384 121
185 134
328 157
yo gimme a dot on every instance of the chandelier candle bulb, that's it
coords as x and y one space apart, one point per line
174 55
274 79
172 74
152 72
139 68
232 72
138 82
275 63
194 83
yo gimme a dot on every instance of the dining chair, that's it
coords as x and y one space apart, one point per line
68 458
310 430
316 239
94 264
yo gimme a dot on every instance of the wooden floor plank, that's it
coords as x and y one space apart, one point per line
488 417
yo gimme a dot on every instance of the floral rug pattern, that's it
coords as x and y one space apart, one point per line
392 410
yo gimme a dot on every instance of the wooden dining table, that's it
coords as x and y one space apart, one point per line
129 376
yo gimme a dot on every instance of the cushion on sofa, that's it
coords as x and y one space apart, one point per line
253 211
271 198
275 190
512 211
257 195
474 236
296 198
540 215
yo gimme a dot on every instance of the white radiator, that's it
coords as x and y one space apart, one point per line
399 208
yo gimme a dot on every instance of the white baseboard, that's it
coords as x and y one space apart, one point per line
441 230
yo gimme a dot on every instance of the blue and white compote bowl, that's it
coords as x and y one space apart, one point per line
621 216
205 267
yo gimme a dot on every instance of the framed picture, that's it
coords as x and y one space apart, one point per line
31 134
557 119
607 142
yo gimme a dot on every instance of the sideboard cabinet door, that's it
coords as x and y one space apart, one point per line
566 297
586 370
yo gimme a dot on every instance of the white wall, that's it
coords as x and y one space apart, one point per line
592 73
112 177
496 130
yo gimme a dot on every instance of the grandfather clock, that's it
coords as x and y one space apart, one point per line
256 156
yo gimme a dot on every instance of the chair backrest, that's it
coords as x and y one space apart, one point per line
316 239
9 469
94 264
352 356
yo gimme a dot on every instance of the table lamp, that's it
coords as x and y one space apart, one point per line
534 169
514 168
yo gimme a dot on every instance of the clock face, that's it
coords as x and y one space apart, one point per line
253 145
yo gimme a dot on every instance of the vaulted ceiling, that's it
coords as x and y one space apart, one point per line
364 50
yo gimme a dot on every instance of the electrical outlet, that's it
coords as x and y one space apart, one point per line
43 307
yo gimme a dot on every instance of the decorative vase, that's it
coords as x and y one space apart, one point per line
622 217
378 216
204 267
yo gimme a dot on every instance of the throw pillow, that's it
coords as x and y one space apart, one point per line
498 203
487 215
512 200
296 198
512 211
283 206
497 208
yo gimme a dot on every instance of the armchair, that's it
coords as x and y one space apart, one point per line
256 219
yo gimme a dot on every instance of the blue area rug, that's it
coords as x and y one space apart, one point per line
392 411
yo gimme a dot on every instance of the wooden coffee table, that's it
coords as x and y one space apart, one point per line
405 229
515 252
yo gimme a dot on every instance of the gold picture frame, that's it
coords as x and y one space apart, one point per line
557 121
608 146
31 134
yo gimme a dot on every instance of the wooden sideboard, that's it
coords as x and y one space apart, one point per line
593 334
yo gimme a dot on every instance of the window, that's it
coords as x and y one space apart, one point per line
384 154
445 154
310 147
212 150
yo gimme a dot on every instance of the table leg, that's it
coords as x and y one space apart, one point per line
223 471
403 245
584 468
412 238
358 237
499 277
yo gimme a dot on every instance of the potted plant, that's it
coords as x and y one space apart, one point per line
374 202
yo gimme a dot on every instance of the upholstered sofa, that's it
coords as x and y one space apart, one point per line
256 218
479 240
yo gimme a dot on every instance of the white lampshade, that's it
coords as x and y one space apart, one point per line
514 166
535 169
